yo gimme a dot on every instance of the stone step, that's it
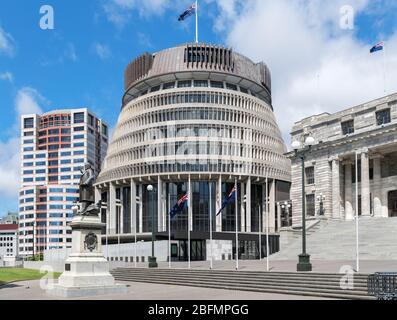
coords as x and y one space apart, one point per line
310 284
216 284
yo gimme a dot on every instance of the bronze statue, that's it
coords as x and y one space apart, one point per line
87 194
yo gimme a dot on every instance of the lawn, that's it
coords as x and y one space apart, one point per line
20 274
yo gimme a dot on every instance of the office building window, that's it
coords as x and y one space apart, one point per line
169 85
79 117
309 175
217 84
28 123
348 127
310 205
104 130
383 117
184 84
201 83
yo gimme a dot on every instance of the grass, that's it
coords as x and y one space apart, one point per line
19 274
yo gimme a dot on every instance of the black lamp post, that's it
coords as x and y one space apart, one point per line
152 259
300 151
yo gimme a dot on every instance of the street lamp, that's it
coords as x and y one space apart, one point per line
300 151
152 259
321 199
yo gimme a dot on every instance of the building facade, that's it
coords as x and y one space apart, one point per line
368 130
201 113
10 218
54 146
8 243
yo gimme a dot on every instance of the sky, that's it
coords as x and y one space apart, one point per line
317 51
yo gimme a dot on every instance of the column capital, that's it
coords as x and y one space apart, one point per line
377 155
334 158
363 150
347 162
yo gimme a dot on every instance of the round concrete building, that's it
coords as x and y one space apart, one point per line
198 113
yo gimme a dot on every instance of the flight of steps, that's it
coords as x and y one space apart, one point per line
336 240
301 284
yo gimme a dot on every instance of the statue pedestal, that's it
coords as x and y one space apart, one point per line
86 269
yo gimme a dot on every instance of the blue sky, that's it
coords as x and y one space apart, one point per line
81 62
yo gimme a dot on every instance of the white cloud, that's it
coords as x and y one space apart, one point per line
316 66
70 53
119 11
7 76
102 51
144 40
7 44
27 101
9 168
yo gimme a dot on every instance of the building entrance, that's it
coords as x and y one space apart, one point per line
197 250
392 201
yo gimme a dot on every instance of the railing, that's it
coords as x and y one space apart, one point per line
383 286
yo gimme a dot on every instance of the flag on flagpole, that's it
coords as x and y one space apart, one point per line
189 12
179 206
228 199
378 47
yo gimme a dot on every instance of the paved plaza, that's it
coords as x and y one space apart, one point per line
30 290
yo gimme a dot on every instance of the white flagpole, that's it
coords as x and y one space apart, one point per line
267 224
169 228
260 232
107 231
237 243
384 68
357 249
135 235
188 222
210 211
196 21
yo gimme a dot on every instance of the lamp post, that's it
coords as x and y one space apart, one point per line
321 199
300 151
152 259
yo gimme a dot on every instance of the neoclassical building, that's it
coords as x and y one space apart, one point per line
203 113
370 130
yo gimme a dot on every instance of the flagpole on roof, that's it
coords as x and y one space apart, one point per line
196 21
384 68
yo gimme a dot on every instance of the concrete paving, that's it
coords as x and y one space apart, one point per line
31 290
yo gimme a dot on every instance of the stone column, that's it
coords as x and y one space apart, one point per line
133 207
335 189
248 206
377 185
219 204
349 212
272 207
365 188
112 209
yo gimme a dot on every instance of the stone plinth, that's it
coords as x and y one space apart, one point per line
86 269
